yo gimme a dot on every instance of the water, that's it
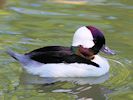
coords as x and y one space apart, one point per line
29 24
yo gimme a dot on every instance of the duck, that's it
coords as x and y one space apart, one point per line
81 59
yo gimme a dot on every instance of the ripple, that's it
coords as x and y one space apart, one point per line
118 75
30 41
31 79
9 32
62 90
36 12
116 4
33 4
111 17
79 2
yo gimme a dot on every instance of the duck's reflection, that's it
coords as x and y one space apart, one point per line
83 88
30 79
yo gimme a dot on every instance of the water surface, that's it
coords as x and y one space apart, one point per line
29 24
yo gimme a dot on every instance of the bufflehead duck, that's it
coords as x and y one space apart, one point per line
79 60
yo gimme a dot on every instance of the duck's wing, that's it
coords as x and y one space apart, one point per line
59 57
75 58
49 56
50 48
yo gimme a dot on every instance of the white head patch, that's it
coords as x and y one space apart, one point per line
83 36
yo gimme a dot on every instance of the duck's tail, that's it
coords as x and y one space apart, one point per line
23 59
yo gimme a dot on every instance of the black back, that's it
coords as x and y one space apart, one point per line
57 54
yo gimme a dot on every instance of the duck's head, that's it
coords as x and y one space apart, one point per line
91 40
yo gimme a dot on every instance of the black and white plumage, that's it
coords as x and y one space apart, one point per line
57 54
59 61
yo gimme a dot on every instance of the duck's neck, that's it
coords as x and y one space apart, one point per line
74 49
77 50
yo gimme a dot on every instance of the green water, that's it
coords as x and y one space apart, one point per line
29 24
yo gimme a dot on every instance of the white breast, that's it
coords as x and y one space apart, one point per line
69 70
